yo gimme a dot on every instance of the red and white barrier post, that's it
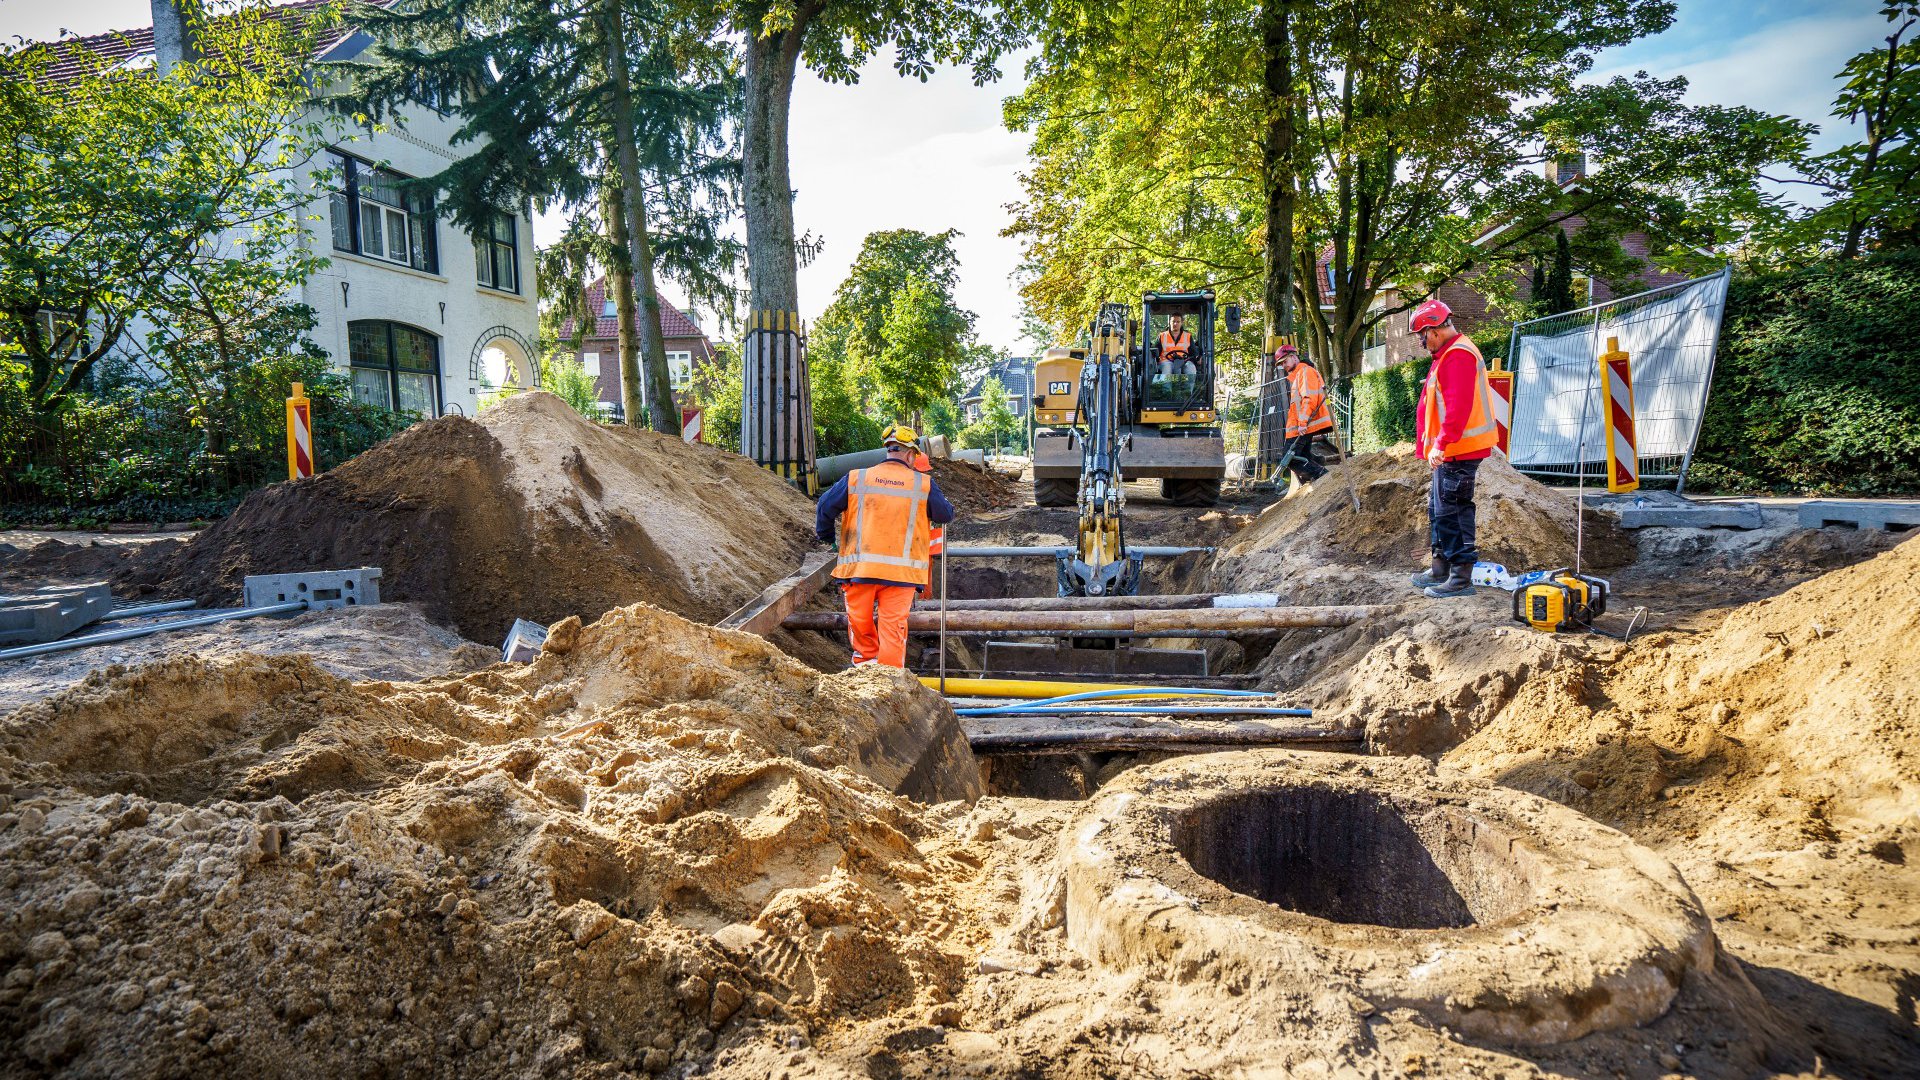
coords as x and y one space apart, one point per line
1623 459
1501 383
690 425
299 434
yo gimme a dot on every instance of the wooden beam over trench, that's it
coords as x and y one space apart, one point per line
764 613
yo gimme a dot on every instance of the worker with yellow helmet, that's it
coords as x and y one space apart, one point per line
885 516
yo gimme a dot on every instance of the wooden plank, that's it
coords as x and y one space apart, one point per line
1194 738
778 601
1165 622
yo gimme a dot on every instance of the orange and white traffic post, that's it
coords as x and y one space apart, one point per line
1500 381
299 434
1623 459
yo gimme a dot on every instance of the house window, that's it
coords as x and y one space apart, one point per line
680 369
495 255
607 310
370 216
590 363
395 366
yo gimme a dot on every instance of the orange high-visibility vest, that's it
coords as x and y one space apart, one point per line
1481 433
1183 343
1306 401
884 532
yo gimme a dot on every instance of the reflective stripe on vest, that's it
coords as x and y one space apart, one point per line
1481 433
1305 382
882 531
1184 343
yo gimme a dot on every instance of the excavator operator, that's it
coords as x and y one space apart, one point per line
1176 348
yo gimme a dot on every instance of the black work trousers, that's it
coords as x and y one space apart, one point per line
1301 464
1450 511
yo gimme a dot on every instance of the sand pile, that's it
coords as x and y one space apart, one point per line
530 511
656 836
1371 510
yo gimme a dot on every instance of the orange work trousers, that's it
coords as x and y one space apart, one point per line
884 639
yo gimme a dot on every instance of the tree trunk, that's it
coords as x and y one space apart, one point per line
663 415
773 272
1278 165
620 280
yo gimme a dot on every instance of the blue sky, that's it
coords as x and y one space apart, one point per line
890 153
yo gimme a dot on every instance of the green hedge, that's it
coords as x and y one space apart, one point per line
1384 401
1817 385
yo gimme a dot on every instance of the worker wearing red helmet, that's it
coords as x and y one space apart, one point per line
1454 432
1307 415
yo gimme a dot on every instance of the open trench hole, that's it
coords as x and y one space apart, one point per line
1070 776
1354 857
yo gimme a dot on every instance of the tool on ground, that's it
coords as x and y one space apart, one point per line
1563 601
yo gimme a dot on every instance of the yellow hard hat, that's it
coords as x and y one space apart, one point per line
902 435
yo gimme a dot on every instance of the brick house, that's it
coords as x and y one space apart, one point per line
1013 373
1389 344
599 352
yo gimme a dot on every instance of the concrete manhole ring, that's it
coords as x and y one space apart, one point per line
1491 911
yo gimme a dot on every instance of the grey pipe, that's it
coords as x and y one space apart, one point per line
148 609
153 628
831 469
1057 552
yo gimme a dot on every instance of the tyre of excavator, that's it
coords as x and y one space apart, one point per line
1204 491
1055 492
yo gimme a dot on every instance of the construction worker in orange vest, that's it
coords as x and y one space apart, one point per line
885 516
1176 347
1454 432
1307 415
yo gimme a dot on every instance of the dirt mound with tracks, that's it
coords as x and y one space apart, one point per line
590 865
973 489
530 511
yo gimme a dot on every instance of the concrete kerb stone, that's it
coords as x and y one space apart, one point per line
1898 516
1534 925
50 614
1671 510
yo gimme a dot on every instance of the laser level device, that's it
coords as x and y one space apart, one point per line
1562 601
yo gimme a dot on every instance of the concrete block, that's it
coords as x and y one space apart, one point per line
523 643
1696 516
52 613
1897 516
321 589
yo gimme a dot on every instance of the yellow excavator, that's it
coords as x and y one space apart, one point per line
1162 424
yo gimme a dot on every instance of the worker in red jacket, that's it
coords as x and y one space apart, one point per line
1454 432
1307 415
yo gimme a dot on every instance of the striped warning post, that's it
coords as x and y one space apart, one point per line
690 427
1501 383
1623 460
299 434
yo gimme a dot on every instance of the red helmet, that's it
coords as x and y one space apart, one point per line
1284 351
1429 315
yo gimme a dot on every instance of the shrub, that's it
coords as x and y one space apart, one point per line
1816 387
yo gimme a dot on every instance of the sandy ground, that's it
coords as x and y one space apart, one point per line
664 850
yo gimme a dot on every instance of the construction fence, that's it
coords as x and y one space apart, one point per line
1559 402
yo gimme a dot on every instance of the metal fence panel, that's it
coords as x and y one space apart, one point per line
1670 332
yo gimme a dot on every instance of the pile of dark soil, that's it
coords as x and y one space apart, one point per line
972 489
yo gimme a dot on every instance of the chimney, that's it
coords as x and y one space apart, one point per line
1562 170
172 36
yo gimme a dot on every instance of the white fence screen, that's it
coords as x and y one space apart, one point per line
1558 398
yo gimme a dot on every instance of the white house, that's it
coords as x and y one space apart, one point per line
421 314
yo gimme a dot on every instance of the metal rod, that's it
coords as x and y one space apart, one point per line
148 609
1063 550
1079 739
103 638
1070 622
943 618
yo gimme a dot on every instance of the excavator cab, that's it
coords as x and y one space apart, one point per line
1174 384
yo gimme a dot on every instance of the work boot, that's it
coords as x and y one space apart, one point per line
1459 582
1433 575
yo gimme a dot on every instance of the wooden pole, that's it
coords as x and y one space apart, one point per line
1250 619
1074 740
1079 603
763 614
